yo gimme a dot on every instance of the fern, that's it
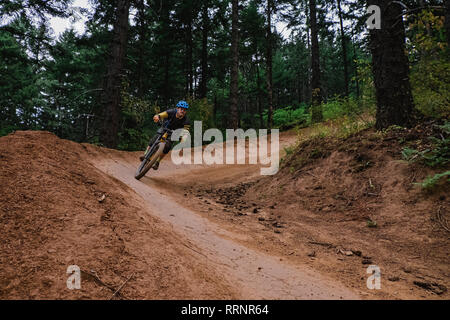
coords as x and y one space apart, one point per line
431 181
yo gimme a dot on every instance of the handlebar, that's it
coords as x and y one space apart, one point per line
161 122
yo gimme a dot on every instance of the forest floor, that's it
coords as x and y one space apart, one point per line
221 232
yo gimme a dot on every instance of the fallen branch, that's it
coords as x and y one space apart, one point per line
99 281
194 250
312 174
120 288
322 244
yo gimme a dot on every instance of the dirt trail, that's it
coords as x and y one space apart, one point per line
254 274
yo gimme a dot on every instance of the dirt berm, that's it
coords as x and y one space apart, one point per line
59 210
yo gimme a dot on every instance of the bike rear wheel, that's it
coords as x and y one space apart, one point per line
149 161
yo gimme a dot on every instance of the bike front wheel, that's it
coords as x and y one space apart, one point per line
149 161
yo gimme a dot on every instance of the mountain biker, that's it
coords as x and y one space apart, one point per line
176 119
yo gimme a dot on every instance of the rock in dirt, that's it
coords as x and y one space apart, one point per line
393 279
357 253
431 286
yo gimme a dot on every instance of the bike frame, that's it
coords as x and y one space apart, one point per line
161 138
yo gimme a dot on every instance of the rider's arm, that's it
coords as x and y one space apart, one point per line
160 116
163 115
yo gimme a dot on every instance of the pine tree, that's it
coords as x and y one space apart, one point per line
390 68
234 66
316 90
113 82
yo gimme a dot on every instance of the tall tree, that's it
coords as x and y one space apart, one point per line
113 82
235 64
269 64
390 67
316 90
204 53
447 23
344 48
189 50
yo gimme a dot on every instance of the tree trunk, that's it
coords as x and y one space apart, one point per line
316 91
356 67
189 73
166 51
204 75
344 49
269 64
390 68
141 53
112 85
258 92
235 64
447 23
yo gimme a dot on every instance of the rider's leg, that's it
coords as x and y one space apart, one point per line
152 140
166 150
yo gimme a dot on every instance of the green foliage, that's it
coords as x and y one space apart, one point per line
438 155
18 85
411 154
364 77
339 107
431 181
371 224
430 82
55 84
289 117
200 110
430 75
289 150
5 130
135 131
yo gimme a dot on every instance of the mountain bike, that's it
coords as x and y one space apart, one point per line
155 150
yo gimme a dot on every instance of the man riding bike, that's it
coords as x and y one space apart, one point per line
175 119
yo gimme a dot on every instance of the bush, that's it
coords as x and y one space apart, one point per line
437 156
288 117
430 81
338 107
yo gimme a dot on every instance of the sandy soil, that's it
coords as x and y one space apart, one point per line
214 232
51 217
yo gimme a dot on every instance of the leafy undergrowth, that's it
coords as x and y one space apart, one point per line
435 154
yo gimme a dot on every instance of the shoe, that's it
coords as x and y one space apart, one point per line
156 165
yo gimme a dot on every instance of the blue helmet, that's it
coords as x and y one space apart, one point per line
182 104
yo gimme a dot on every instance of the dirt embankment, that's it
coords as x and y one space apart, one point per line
59 210
340 205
